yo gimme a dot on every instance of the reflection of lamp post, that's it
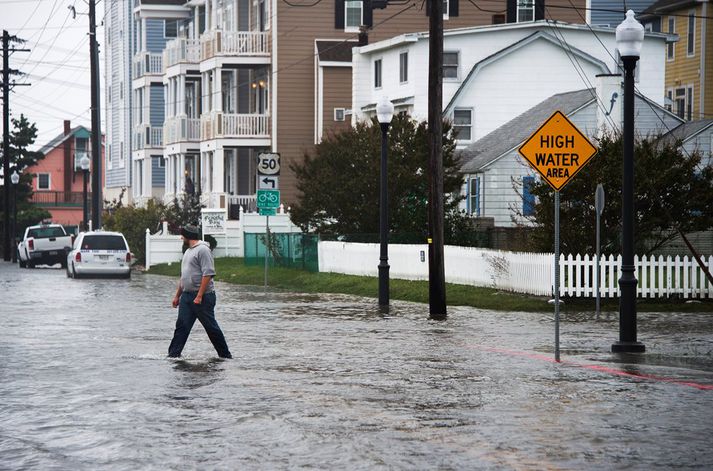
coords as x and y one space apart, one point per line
15 178
384 113
84 164
629 38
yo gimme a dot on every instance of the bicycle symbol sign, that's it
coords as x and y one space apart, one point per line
268 198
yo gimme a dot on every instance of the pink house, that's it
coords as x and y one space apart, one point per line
58 182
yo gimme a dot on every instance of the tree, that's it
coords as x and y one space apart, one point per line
23 135
339 183
672 192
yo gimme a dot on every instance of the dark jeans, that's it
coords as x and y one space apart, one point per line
188 312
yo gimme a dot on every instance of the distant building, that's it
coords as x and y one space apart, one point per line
689 61
58 178
196 89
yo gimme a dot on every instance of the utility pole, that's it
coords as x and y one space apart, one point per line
97 205
436 271
6 72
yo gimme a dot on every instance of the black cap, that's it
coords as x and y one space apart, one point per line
190 232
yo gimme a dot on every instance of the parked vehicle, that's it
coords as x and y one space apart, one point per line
44 244
99 253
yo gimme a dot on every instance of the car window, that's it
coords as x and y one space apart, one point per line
103 242
46 232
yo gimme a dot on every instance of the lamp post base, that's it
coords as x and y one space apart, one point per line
628 347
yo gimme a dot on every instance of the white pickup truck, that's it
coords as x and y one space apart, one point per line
45 244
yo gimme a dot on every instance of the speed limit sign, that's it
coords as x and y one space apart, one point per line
268 163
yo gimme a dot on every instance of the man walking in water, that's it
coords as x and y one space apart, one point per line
195 295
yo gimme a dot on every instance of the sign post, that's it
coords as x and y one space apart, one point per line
268 193
599 206
557 151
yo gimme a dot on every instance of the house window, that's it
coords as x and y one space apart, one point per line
670 46
450 65
377 73
528 199
43 181
525 10
445 9
162 162
691 33
170 29
353 11
463 124
474 196
669 100
683 102
403 67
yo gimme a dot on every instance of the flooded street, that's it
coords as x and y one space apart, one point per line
328 382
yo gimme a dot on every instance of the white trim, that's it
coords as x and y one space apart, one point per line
353 29
458 67
688 33
672 44
472 124
401 53
334 64
380 60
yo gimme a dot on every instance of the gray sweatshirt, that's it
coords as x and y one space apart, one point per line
197 262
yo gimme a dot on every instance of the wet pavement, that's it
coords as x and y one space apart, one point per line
328 382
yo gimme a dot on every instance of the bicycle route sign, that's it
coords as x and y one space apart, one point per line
268 199
557 150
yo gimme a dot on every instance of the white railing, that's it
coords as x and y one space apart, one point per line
234 43
182 50
214 125
523 272
245 201
147 137
148 63
181 129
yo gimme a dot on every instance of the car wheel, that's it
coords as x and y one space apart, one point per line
63 263
22 264
74 272
127 276
30 265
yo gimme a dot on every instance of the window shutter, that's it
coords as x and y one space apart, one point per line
539 9
452 8
511 14
339 14
368 11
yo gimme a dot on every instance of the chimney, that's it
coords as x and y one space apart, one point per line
363 37
68 161
611 100
67 127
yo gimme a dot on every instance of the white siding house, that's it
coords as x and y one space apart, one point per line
497 176
494 73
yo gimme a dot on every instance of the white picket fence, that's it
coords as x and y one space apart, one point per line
529 273
657 276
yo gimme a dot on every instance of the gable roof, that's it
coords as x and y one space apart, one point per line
536 36
55 142
688 130
511 134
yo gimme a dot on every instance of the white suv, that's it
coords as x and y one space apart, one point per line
99 253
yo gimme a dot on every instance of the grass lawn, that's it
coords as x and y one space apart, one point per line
233 270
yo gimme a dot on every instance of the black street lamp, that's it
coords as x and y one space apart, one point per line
384 113
15 179
84 164
629 38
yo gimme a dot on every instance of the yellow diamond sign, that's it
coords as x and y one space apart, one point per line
558 150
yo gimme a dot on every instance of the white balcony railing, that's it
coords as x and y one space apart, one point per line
147 137
181 129
148 63
215 125
182 50
235 43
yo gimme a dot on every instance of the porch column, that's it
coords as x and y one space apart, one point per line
218 89
181 102
146 101
144 45
181 175
167 166
218 171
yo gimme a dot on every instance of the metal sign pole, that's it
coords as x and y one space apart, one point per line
557 276
267 245
599 206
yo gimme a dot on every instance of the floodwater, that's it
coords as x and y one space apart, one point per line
329 382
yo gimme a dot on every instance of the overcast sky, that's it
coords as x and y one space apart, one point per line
57 66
